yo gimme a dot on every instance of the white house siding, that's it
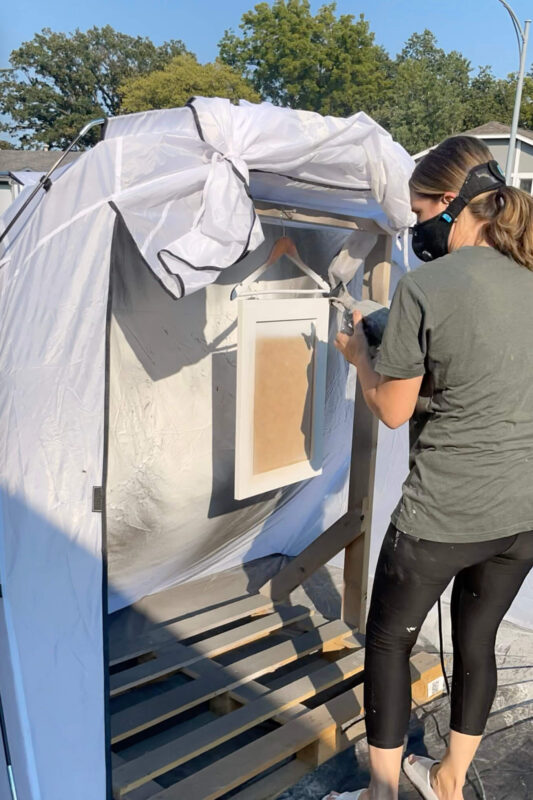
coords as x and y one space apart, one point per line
498 148
6 196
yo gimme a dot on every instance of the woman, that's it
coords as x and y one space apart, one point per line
465 322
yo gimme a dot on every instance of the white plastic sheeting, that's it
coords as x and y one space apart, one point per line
171 512
187 244
52 362
155 171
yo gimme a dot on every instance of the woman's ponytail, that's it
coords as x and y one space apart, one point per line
509 227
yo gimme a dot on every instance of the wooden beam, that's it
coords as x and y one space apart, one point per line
360 496
158 761
377 270
316 218
229 772
426 677
364 449
336 538
275 783
123 649
162 707
310 735
176 656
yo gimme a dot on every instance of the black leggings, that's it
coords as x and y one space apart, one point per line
410 576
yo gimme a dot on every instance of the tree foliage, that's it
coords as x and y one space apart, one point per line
318 62
429 90
284 53
59 81
180 79
331 64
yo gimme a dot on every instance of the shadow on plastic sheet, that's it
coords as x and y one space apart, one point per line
319 588
137 634
168 334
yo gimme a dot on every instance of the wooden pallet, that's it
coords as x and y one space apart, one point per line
182 695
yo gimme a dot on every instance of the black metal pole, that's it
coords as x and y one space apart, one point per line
7 752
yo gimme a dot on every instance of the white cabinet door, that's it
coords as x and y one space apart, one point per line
281 375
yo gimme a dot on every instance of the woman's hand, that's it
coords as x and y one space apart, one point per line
392 400
354 347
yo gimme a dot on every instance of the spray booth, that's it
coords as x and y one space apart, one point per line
173 405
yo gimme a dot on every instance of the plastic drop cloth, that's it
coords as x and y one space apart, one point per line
171 512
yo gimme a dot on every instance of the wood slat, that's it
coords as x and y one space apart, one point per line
165 758
145 791
176 656
124 650
319 552
275 783
151 712
229 772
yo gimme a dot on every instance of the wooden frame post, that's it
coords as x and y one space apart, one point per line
376 283
352 531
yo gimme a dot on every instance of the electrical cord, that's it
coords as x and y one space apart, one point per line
441 649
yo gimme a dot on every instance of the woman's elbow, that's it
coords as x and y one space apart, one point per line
393 411
393 419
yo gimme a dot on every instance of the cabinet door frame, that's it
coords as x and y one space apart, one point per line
283 318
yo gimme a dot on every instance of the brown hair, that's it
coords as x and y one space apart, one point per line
507 212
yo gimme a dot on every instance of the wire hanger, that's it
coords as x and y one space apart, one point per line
284 246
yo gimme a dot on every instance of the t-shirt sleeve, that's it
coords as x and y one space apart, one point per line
404 347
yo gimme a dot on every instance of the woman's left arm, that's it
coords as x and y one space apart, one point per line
392 400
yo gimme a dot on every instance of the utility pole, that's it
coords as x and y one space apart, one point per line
522 36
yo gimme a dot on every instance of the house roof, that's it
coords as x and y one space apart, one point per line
34 160
488 130
497 128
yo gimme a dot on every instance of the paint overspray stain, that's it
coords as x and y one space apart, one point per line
410 630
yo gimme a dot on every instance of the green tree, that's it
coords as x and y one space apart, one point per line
180 79
429 94
492 98
57 81
526 106
5 145
487 99
317 62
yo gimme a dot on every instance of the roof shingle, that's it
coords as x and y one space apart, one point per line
34 160
497 127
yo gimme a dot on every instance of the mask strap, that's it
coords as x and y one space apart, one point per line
481 178
454 209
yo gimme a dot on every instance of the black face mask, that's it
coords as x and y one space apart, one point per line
430 238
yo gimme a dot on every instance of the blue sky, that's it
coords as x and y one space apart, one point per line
480 29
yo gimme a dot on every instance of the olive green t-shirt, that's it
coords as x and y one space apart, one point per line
466 320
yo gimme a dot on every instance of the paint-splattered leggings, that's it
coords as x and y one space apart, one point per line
410 576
